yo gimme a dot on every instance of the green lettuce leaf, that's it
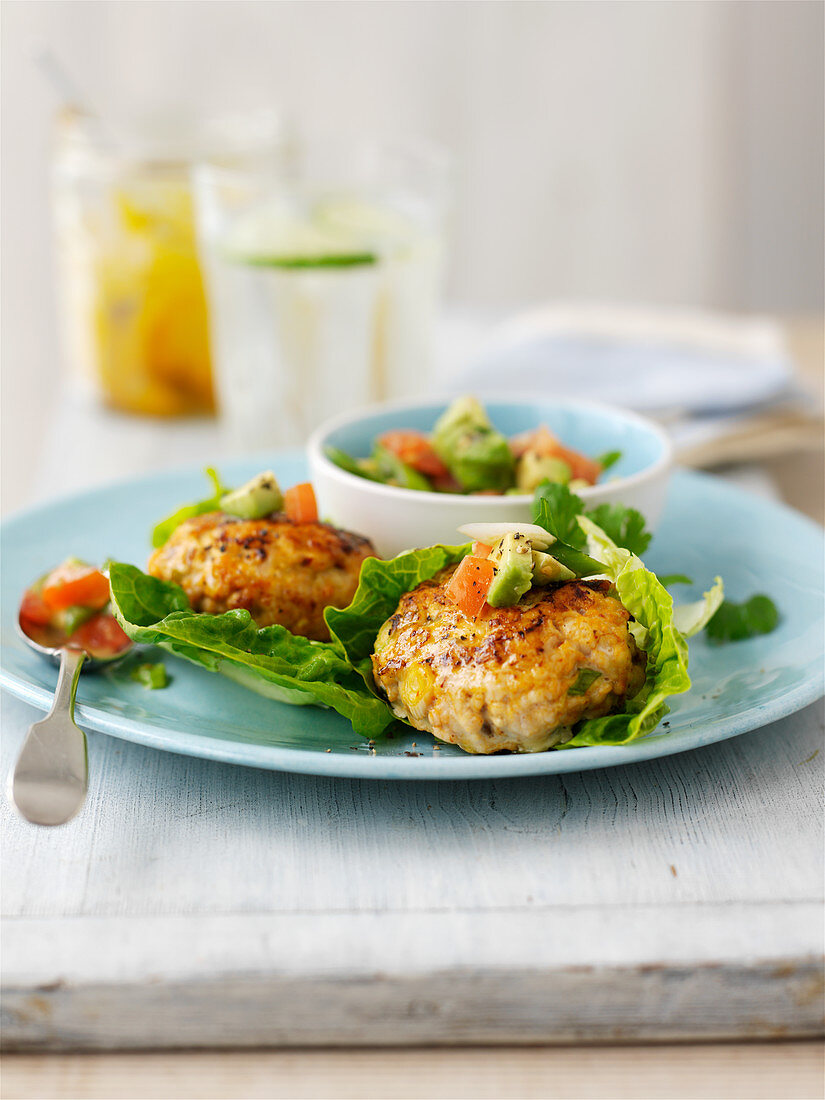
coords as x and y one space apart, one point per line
380 587
166 527
654 630
272 661
690 618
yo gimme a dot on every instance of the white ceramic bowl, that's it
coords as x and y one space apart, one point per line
397 519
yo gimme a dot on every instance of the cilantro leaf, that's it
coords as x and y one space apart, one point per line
734 622
556 509
625 526
585 678
151 675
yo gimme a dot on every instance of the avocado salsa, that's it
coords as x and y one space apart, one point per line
465 454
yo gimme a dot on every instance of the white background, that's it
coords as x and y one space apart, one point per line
658 152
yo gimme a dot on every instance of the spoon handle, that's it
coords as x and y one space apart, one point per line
49 781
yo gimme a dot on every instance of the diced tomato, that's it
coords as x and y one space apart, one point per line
300 504
469 585
34 610
581 467
75 585
415 449
100 635
545 443
446 484
537 439
481 550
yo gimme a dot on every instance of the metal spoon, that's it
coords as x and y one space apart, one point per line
50 779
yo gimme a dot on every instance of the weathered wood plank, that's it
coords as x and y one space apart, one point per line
195 903
164 834
579 1005
356 946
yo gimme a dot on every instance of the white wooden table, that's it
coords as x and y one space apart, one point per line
204 905
199 904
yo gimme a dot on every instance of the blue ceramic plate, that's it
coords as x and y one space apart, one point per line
708 528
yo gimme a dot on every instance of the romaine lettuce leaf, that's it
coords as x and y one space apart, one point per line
272 661
655 631
380 587
690 618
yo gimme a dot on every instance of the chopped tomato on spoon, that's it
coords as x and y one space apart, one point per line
102 634
68 607
34 610
75 584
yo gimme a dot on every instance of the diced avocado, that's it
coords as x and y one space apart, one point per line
71 619
464 413
513 559
546 570
476 454
255 499
393 471
534 468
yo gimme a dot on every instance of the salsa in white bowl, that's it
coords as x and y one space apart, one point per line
396 518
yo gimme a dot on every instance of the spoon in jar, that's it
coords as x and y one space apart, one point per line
50 779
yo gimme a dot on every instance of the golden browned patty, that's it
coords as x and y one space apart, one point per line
503 682
280 571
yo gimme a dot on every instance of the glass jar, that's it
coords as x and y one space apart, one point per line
131 289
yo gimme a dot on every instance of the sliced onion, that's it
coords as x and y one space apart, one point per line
491 532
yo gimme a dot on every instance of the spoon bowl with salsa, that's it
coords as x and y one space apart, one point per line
65 617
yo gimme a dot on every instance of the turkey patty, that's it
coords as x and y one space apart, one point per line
503 681
280 571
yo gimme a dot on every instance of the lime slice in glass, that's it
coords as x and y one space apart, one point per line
278 237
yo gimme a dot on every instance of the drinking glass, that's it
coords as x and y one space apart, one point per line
131 289
322 279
